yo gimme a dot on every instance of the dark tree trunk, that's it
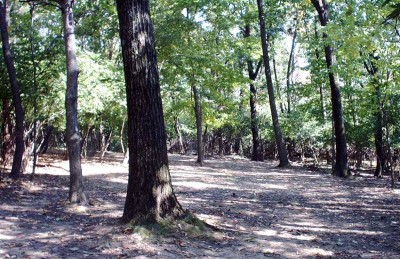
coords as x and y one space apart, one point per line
380 154
6 130
150 196
84 141
44 145
199 125
341 165
73 138
16 169
282 152
256 154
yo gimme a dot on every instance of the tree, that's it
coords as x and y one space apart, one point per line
73 138
150 196
256 154
341 165
282 152
15 89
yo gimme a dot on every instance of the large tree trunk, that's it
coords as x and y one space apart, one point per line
73 138
256 154
341 165
16 170
282 152
150 196
199 125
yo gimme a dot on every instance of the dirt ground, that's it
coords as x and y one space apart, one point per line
261 212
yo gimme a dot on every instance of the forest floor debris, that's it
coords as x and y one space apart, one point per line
261 211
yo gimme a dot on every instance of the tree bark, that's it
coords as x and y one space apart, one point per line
16 170
341 164
199 125
282 152
150 196
73 138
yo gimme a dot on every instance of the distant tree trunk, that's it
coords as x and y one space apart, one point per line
341 164
73 138
121 135
199 125
16 170
85 140
321 92
180 139
380 154
278 92
106 145
102 136
44 145
6 130
290 68
256 154
282 152
150 196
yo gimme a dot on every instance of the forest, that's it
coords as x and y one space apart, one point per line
199 128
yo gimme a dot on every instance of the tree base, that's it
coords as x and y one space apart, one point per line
176 214
78 199
189 225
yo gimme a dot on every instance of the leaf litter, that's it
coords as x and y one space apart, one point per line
257 209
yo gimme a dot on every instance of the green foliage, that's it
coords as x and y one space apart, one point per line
201 43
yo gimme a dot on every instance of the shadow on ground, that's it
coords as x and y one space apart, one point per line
262 211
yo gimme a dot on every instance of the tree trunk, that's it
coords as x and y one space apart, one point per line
341 165
44 145
150 196
290 68
256 154
180 139
283 156
199 125
6 130
16 170
121 136
380 154
106 145
73 138
278 92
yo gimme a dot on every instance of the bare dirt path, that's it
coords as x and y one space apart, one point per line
261 211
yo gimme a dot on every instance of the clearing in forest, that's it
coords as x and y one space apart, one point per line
260 211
